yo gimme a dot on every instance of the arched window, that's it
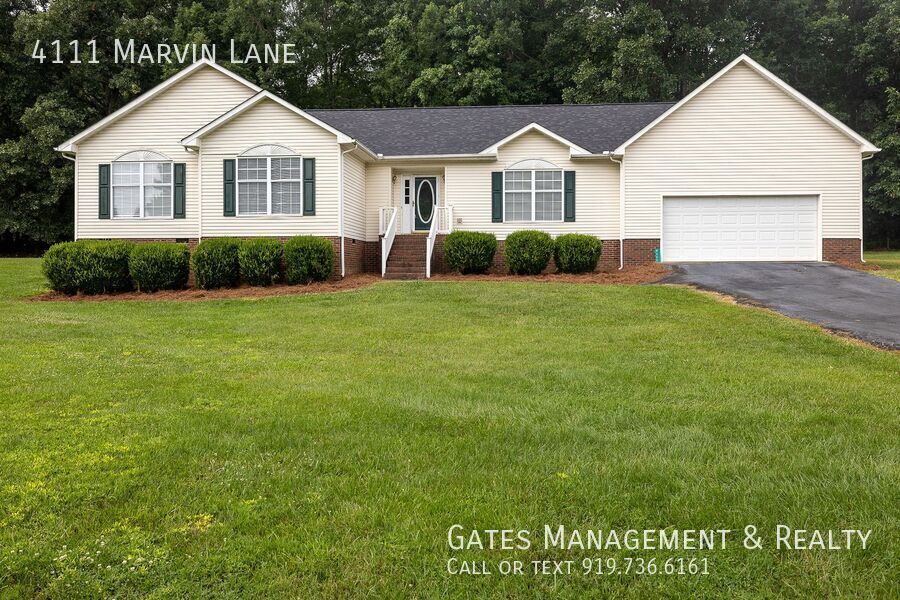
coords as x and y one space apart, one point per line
269 181
532 191
142 186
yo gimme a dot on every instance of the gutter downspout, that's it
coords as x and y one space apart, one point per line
341 202
200 191
861 178
621 163
75 191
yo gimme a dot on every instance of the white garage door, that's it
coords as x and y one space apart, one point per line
731 228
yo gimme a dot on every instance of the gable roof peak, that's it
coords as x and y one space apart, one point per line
866 147
575 149
193 138
69 144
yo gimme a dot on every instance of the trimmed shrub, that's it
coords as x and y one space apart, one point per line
88 266
215 262
260 260
469 251
159 266
308 258
58 266
528 252
577 253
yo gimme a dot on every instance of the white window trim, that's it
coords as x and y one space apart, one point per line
268 182
113 186
534 218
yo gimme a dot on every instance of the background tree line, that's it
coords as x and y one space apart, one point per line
843 54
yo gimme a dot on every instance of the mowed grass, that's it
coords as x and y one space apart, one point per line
321 446
887 260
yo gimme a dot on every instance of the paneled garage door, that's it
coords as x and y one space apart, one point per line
731 228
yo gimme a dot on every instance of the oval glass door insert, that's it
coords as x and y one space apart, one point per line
425 197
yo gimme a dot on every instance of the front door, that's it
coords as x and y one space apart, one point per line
425 201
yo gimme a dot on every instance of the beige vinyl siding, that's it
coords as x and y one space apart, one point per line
378 193
159 125
468 189
354 197
743 136
270 123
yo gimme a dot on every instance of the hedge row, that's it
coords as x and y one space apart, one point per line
224 262
88 266
159 266
527 252
99 266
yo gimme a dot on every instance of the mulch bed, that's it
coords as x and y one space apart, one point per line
649 273
859 266
630 276
338 285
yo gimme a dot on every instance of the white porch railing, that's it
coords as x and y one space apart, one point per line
441 223
444 218
387 227
384 215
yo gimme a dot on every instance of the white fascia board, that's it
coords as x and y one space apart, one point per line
69 145
865 145
606 155
193 138
362 149
410 157
574 148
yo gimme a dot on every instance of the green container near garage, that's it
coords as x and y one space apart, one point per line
656 256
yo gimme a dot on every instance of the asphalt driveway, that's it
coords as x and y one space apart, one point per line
841 299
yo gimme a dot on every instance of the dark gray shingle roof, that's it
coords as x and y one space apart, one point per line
471 129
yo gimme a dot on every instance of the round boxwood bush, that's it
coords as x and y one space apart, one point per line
159 266
215 262
577 253
308 258
469 251
260 260
528 252
88 266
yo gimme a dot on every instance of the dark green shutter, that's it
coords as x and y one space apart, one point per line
497 197
309 186
179 191
569 196
228 187
104 191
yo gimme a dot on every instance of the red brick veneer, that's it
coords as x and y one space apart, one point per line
609 258
354 255
841 249
191 242
639 252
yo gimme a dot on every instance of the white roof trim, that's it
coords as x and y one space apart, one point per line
533 164
69 144
574 148
269 150
193 138
142 156
865 145
411 157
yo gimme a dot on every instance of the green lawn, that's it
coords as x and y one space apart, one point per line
321 446
888 260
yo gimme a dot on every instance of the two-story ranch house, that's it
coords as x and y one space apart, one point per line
745 168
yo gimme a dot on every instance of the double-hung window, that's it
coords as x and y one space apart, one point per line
270 185
532 195
142 190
